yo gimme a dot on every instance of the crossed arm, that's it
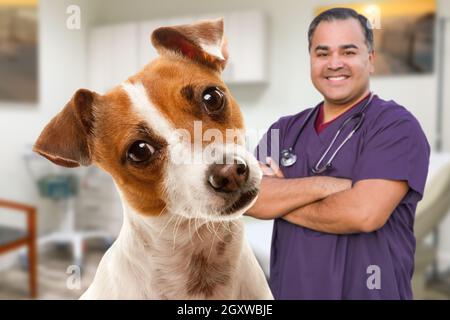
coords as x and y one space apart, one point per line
329 204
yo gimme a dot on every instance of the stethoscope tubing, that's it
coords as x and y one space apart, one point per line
288 153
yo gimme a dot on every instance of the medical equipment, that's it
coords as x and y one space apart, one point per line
62 186
288 157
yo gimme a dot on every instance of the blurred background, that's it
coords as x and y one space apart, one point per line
55 224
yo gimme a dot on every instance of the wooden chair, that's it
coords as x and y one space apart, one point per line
11 239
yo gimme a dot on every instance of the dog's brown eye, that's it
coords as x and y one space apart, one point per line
140 151
213 100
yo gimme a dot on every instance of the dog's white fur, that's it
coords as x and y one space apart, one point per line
146 262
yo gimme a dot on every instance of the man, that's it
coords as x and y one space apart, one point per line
346 233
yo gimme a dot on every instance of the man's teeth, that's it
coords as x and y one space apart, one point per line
337 78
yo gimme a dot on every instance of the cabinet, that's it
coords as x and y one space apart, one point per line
247 46
98 204
145 48
119 51
113 55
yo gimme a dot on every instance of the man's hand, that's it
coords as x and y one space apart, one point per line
271 169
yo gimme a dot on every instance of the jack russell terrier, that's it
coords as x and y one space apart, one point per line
181 237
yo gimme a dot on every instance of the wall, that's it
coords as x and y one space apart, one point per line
62 57
289 89
445 14
444 234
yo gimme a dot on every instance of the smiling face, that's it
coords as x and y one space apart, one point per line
171 136
341 63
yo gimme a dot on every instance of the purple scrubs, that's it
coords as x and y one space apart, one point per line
307 264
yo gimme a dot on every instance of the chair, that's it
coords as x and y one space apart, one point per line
62 185
11 239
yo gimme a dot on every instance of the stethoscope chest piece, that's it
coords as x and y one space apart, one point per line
288 158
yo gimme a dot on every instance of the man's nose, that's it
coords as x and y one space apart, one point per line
335 62
228 177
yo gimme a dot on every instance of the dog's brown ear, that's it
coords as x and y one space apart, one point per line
65 140
203 42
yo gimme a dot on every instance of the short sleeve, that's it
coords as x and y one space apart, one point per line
395 149
270 143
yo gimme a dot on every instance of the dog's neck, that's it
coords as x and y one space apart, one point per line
175 254
175 232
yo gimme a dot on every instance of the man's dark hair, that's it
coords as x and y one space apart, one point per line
342 14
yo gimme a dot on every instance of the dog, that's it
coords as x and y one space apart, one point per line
182 236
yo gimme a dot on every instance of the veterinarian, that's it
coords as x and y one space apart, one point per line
351 172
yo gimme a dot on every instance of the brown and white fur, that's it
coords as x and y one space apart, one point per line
181 237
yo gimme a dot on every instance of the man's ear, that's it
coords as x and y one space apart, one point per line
203 42
372 62
65 140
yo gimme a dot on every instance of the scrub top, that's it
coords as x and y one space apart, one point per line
307 264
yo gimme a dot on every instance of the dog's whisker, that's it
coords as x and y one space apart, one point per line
234 223
165 226
215 232
213 229
195 224
209 227
163 209
223 224
220 228
189 228
173 230
227 226
196 228
176 227
210 249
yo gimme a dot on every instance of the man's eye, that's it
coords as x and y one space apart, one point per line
322 54
140 151
349 53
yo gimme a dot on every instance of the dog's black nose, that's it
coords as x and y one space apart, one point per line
228 177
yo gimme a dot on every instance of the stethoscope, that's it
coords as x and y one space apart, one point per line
288 157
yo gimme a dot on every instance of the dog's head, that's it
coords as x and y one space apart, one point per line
171 136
